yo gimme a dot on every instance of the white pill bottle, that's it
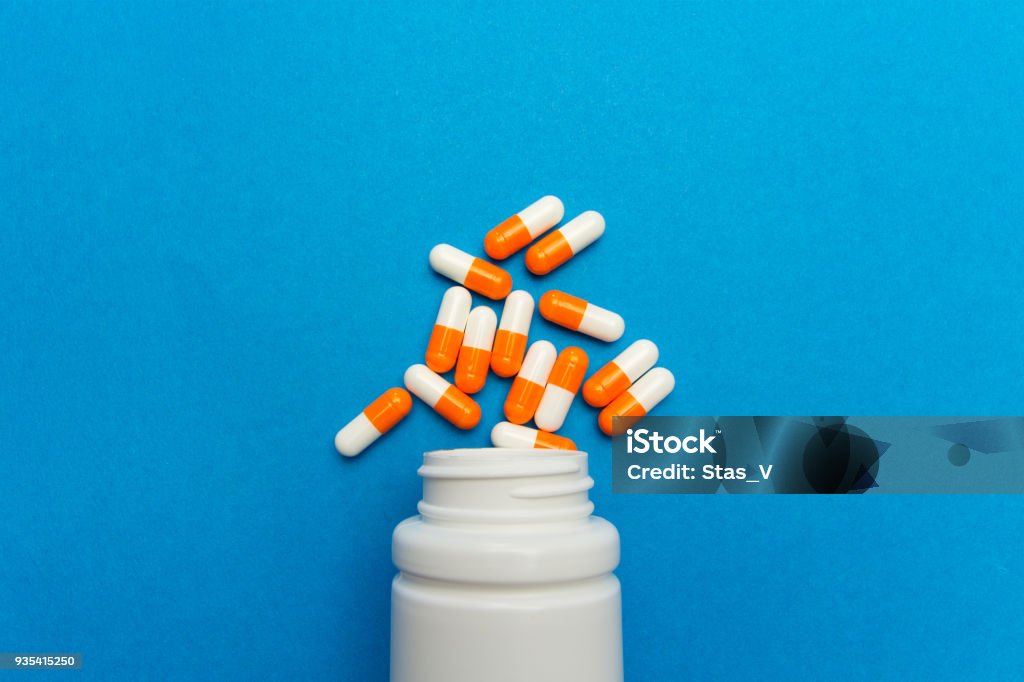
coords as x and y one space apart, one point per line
504 575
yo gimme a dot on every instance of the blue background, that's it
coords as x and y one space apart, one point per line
214 226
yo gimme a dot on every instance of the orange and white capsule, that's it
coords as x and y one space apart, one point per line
446 338
576 314
507 435
475 356
564 382
513 332
528 386
612 380
564 243
373 422
447 400
522 228
471 272
639 400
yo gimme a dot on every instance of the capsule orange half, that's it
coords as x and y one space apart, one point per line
612 380
388 409
446 338
475 356
579 315
638 401
528 386
447 400
513 332
563 384
374 421
522 228
473 273
564 243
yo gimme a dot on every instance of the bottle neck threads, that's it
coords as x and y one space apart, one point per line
505 486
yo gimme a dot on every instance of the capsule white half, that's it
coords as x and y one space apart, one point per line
583 230
636 402
376 419
540 358
509 435
513 334
517 314
451 262
542 215
447 400
554 407
653 387
473 273
425 384
356 436
480 328
454 310
639 357
602 324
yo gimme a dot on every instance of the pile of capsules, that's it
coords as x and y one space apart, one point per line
473 342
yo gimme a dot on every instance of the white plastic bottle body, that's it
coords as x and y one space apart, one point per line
505 576
519 634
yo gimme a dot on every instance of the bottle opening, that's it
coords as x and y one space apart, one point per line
505 484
